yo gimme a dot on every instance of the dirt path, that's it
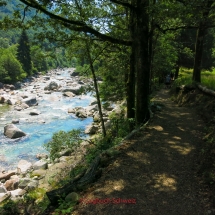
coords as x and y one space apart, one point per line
156 171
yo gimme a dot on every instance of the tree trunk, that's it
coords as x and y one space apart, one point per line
177 67
142 62
96 89
130 84
199 43
198 54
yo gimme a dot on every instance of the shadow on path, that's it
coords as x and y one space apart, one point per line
156 171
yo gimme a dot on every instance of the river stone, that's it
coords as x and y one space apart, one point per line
15 121
24 183
24 106
91 109
18 108
13 132
31 101
34 113
17 192
11 184
96 117
68 94
51 86
38 172
91 129
40 165
11 101
64 152
3 189
71 110
41 156
33 184
7 175
72 197
2 99
24 166
46 78
81 113
74 74
76 89
4 196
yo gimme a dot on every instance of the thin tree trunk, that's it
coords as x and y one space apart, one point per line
96 89
130 84
198 54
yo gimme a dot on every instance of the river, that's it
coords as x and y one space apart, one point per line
53 117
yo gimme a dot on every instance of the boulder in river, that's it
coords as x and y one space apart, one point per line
77 90
34 112
51 86
31 101
2 99
68 94
13 132
23 166
91 129
74 74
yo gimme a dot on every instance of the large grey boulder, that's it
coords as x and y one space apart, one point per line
77 90
51 86
31 101
81 113
11 131
91 109
91 129
23 166
74 74
24 183
40 165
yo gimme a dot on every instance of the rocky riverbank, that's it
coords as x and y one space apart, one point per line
27 176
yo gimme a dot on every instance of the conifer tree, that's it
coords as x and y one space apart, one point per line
24 54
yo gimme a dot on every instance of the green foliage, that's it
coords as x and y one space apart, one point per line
10 68
65 208
63 140
10 208
24 53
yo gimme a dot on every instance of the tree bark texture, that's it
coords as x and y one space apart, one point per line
142 62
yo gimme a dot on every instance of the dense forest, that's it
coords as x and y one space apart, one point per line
130 45
22 55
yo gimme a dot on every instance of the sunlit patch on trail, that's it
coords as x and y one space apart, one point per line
180 128
165 183
157 128
184 149
177 138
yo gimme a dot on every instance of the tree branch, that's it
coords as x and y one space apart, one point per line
76 25
123 4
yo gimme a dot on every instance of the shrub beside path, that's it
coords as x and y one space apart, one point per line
156 171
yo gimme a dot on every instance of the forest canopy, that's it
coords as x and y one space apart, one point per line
132 44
